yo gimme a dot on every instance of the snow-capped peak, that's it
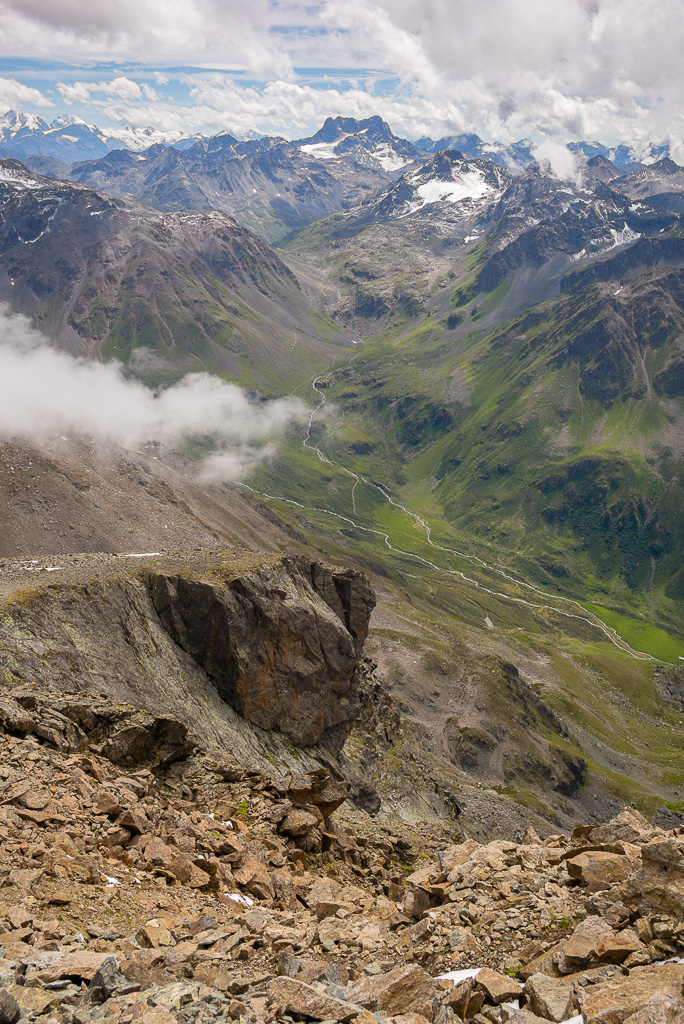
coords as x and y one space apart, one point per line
13 121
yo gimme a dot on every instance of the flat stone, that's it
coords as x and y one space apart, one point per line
298 997
407 989
550 998
78 965
615 1001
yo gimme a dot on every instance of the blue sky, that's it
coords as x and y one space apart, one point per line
548 69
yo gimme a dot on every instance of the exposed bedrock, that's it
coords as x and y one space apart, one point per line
281 647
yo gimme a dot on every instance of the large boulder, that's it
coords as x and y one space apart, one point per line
407 989
619 1000
659 882
281 643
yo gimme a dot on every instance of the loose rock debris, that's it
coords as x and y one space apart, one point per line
200 890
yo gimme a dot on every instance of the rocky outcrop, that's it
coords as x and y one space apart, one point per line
281 652
249 653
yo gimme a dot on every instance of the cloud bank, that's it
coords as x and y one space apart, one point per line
46 394
566 69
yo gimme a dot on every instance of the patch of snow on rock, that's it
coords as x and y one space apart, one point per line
389 159
15 177
324 150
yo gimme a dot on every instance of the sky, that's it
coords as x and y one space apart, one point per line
554 70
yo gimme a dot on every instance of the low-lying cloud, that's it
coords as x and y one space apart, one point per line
46 394
560 162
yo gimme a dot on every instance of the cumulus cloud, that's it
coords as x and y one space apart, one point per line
45 394
505 69
559 161
149 30
121 87
14 95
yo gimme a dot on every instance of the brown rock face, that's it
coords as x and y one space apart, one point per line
408 989
600 869
300 998
659 883
281 644
549 998
618 1001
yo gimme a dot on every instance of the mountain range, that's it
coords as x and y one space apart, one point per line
502 356
271 185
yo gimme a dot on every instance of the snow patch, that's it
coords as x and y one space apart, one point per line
622 237
459 976
388 158
467 185
15 177
237 897
323 150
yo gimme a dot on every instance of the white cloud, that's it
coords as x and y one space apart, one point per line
555 159
14 95
570 69
45 393
120 87
179 31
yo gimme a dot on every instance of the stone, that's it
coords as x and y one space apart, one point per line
299 998
615 948
544 963
298 823
628 826
109 981
549 998
498 988
9 1007
154 935
158 854
19 917
465 998
273 646
174 996
78 965
253 875
188 873
106 803
407 989
615 1001
34 1001
659 882
599 869
580 948
663 1009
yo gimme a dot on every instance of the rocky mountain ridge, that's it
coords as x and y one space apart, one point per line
192 290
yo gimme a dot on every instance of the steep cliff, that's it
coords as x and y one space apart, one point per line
227 646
